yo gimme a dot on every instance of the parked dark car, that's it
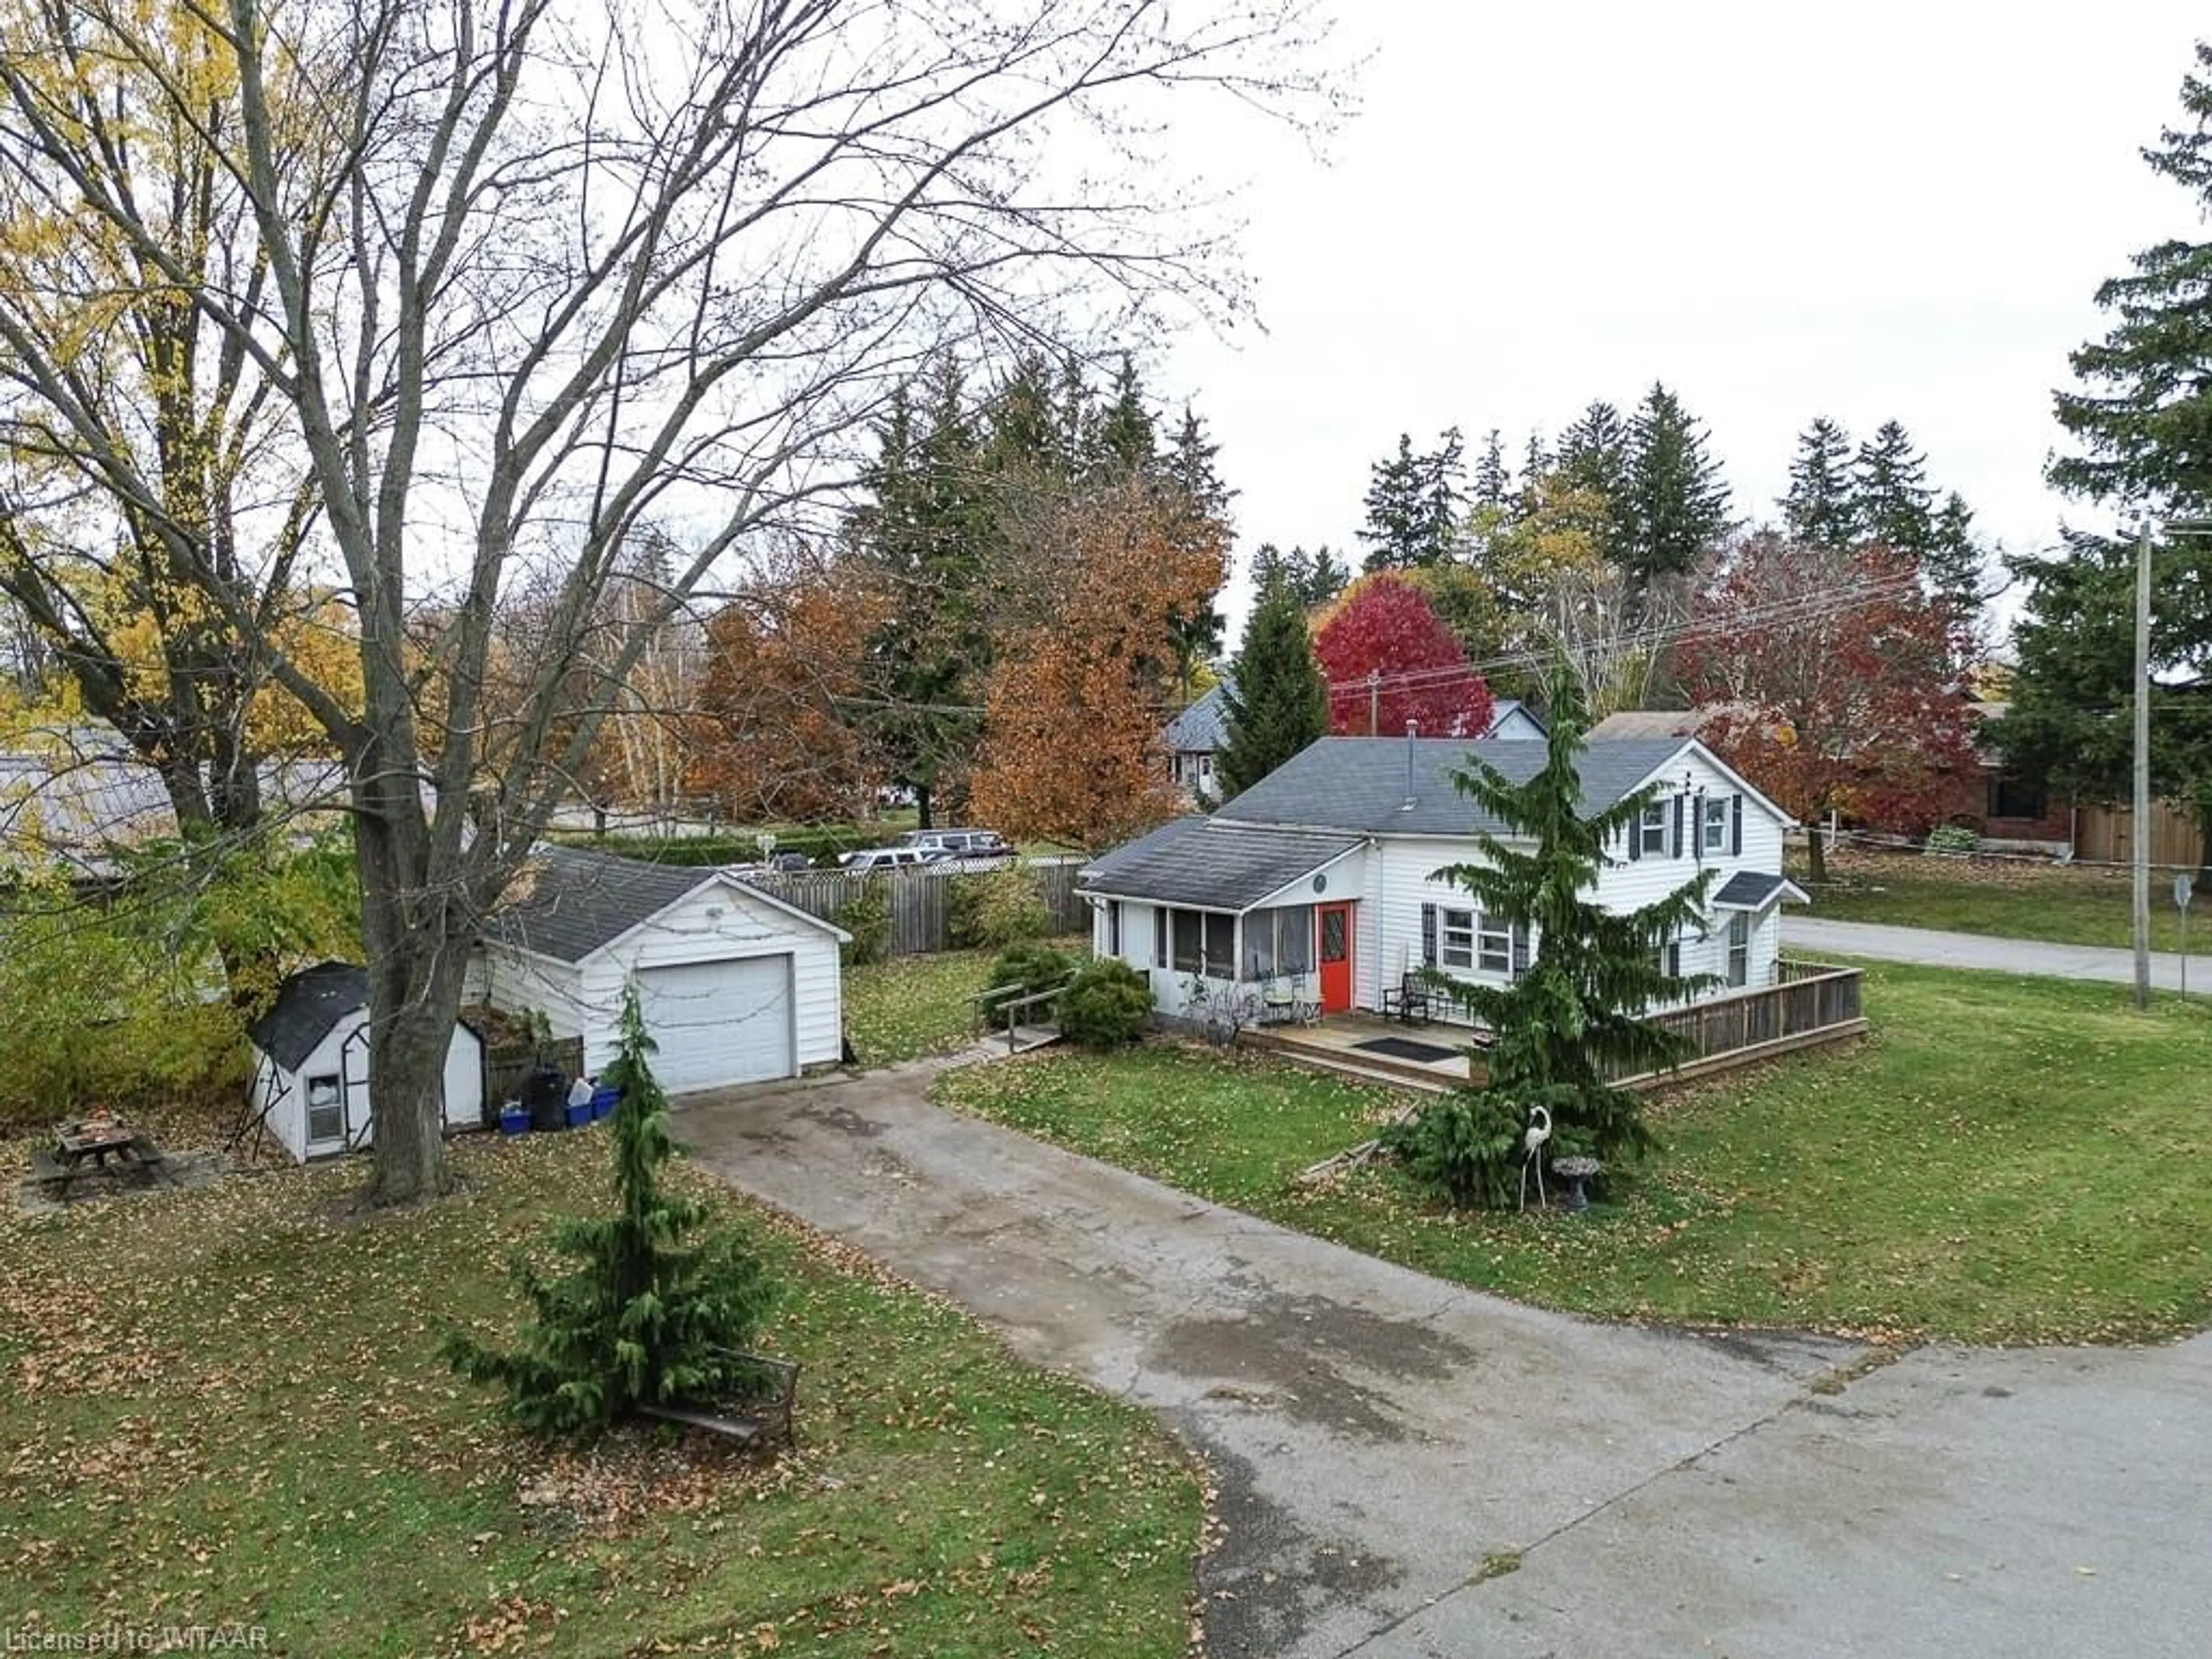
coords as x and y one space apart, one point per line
787 861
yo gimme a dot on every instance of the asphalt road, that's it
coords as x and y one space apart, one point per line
1408 1468
1883 943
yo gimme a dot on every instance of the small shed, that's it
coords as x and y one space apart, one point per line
735 986
310 1083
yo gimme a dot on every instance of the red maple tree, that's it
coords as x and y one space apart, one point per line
1389 658
1826 677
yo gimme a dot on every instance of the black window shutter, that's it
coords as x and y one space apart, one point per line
1675 959
1680 800
1428 936
1636 835
1736 823
1520 951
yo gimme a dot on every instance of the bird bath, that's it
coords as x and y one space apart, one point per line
1575 1171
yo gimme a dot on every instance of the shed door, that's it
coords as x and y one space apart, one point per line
719 1022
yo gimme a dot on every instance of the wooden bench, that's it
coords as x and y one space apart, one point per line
765 1420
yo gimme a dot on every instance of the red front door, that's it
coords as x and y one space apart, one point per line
1335 959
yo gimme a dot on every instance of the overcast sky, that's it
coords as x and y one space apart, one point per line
1873 211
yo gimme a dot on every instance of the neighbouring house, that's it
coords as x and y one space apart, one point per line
735 986
2009 810
1325 871
310 1083
1196 736
70 796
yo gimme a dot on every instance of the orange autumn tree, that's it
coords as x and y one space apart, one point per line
1071 749
772 736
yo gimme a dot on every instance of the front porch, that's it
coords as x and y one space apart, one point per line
1374 1050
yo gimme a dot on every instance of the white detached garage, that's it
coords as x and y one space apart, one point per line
736 987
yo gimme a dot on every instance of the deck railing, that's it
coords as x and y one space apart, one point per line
1809 1002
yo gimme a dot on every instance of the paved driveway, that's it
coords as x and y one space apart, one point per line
2008 956
1378 1437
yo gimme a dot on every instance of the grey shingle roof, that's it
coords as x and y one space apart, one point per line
1751 890
1212 866
569 902
1203 727
307 1004
1360 783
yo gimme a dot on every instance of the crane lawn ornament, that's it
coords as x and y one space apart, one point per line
1532 1147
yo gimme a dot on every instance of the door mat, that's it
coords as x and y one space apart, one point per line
1405 1048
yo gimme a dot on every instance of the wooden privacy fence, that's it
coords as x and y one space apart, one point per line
2106 834
921 899
506 1065
1810 1003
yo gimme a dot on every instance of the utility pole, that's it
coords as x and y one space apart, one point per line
2141 814
1374 701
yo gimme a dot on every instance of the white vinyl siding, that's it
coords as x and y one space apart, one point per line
719 923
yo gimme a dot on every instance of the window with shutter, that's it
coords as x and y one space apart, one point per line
1650 832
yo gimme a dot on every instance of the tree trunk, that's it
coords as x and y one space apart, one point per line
413 931
921 804
1816 853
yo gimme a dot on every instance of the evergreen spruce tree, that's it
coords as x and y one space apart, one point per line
1535 466
1953 564
1326 577
2142 410
1494 476
1396 508
642 1319
1577 1015
2068 721
1443 496
1890 496
1276 700
1594 452
927 530
1121 446
1821 508
1673 505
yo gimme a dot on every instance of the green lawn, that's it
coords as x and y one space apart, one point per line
221 1408
910 1006
2009 899
2005 1160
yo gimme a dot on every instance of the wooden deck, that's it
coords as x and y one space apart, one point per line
1333 1045
1810 1004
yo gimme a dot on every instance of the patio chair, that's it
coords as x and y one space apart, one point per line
1409 1001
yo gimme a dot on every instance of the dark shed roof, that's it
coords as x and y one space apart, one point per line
1755 890
308 1005
1362 783
1213 866
568 902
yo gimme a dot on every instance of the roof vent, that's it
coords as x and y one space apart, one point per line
1412 731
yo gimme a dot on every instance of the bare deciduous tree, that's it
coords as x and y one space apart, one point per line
522 277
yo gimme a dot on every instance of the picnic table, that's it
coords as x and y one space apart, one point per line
94 1140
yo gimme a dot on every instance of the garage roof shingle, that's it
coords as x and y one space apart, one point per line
569 902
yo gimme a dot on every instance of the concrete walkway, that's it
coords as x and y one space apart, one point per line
1883 943
1405 1468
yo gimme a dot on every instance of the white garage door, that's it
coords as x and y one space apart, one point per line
719 1022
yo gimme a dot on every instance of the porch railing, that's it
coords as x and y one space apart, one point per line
1809 1002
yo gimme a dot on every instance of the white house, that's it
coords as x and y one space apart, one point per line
736 987
311 1084
1325 872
